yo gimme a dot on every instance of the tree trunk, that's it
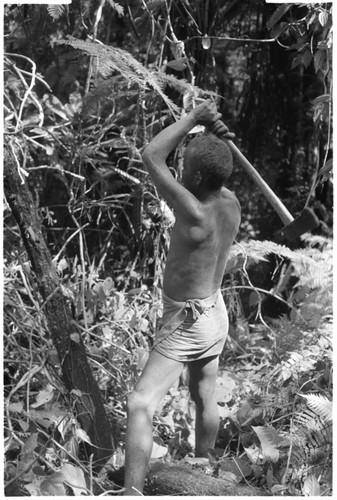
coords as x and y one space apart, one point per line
77 375
182 480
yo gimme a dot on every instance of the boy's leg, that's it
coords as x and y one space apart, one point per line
203 374
158 376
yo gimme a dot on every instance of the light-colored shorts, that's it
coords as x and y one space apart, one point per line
192 330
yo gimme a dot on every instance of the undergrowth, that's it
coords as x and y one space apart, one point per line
274 385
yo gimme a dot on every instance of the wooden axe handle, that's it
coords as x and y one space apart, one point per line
276 203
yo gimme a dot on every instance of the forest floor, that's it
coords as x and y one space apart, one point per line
274 392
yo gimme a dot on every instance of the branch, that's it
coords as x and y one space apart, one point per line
233 39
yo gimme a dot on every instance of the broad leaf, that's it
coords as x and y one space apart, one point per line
53 485
224 389
83 436
269 439
178 64
326 169
16 407
44 396
34 487
74 477
277 15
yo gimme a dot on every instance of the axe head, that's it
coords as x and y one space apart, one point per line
303 223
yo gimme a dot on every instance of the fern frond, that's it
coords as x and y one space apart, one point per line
179 84
321 405
56 11
309 420
296 363
312 268
311 487
184 87
311 446
114 59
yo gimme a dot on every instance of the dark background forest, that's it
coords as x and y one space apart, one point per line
86 87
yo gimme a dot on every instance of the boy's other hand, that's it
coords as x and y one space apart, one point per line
221 130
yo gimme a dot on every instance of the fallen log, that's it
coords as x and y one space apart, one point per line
184 480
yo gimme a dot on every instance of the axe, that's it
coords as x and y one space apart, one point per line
293 228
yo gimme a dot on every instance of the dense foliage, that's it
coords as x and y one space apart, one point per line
86 87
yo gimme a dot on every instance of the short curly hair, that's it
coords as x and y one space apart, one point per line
212 158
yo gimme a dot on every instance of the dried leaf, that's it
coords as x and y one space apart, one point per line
254 454
44 396
17 407
53 485
269 439
159 450
62 265
244 411
108 284
224 389
197 460
178 64
75 337
34 487
74 477
83 436
30 444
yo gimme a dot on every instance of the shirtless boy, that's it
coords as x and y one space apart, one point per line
195 322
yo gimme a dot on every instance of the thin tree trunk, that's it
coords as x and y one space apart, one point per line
77 375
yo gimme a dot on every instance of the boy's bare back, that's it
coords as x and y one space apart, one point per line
199 249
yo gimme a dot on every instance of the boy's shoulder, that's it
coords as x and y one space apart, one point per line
230 197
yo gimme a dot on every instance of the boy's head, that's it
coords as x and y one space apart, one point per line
208 163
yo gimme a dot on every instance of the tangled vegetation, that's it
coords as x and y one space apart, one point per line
75 130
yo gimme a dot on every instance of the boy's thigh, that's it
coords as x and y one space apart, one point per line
158 376
203 375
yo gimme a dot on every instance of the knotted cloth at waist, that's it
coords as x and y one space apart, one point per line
175 313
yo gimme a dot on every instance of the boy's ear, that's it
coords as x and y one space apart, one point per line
198 177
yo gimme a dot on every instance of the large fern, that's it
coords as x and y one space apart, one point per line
306 262
113 59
